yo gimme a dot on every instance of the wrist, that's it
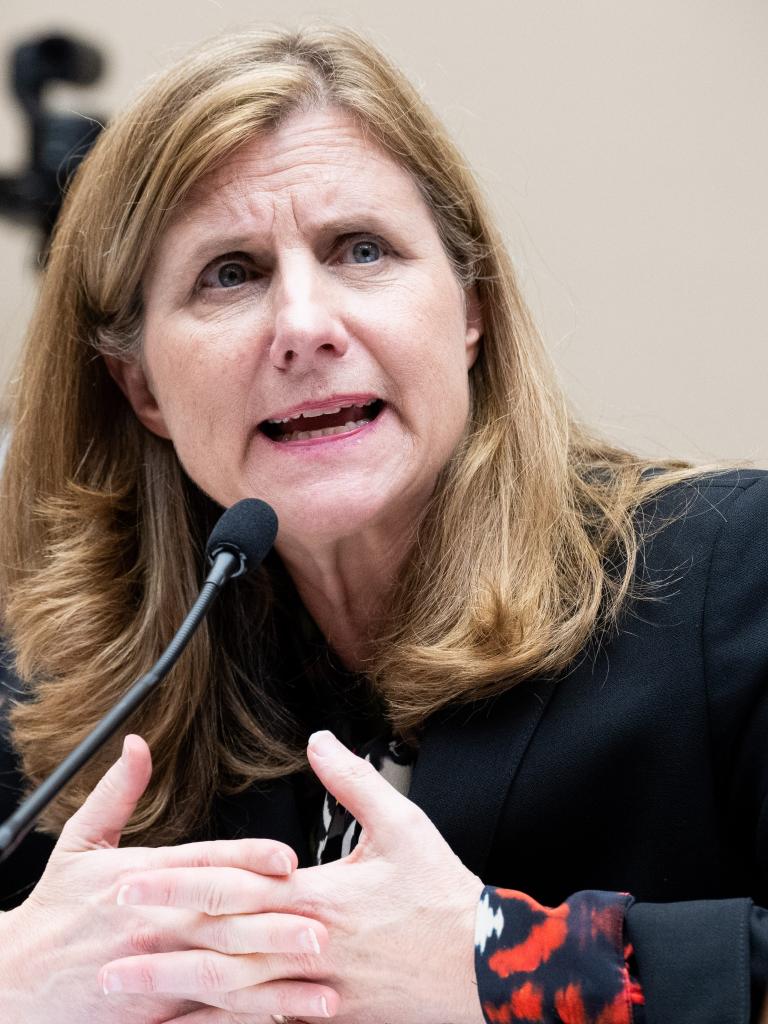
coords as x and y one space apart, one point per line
471 1009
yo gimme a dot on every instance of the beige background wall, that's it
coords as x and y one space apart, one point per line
624 146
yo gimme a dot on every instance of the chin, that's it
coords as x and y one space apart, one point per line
340 518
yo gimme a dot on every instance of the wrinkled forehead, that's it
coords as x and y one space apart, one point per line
318 159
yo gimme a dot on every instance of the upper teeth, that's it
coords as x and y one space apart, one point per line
323 412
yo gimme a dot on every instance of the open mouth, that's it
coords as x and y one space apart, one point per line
306 426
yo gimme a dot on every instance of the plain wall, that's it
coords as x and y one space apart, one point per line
622 145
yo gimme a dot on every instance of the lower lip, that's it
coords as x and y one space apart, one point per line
324 442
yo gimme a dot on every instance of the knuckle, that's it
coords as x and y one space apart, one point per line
303 965
284 1000
212 901
251 894
361 770
146 978
203 858
271 966
223 937
143 939
209 975
108 785
315 905
169 891
162 888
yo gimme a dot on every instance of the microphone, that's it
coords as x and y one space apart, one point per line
239 542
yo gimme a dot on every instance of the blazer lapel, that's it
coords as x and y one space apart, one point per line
467 761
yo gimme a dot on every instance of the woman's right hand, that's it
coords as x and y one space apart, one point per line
53 945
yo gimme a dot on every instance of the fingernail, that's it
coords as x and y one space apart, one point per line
323 744
125 745
281 864
111 983
308 940
127 895
323 1006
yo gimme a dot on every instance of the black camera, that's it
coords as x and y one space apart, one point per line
58 142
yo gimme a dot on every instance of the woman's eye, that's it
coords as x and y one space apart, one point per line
231 274
227 274
365 251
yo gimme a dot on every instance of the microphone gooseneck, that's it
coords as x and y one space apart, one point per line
239 542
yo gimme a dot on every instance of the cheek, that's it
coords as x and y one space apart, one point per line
435 363
199 379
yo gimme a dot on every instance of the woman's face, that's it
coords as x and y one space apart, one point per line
306 340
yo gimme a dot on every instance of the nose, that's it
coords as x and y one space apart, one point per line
306 325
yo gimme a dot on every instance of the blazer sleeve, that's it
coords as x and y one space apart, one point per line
693 962
707 961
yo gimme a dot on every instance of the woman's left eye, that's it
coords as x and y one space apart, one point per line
363 250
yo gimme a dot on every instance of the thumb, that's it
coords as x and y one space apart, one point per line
109 806
382 812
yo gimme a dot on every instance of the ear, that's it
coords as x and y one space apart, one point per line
474 329
132 381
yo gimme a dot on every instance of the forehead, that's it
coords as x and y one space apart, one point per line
316 162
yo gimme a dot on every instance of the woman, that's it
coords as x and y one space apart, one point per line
275 277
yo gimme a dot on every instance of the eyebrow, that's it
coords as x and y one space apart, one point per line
349 223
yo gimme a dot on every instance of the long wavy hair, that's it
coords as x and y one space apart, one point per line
527 550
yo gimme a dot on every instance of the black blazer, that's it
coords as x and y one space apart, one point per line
643 769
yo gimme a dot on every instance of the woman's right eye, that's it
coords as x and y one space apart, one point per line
228 272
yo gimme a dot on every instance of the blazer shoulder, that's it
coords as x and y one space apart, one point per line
687 521
709 537
712 491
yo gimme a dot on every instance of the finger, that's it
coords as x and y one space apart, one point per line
281 998
246 1001
240 934
266 856
213 891
108 808
355 783
198 973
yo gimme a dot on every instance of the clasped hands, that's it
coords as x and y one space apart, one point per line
231 932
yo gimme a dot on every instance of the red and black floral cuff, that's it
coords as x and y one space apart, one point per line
561 965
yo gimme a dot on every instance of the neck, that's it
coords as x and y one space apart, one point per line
345 586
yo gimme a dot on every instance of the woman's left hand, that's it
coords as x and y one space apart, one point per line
399 910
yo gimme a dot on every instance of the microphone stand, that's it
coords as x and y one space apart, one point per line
226 564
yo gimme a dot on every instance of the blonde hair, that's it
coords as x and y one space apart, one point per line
526 551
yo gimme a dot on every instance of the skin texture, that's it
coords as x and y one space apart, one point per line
310 320
146 937
55 944
399 913
219 932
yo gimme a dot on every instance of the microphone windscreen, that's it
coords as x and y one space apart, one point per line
248 528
